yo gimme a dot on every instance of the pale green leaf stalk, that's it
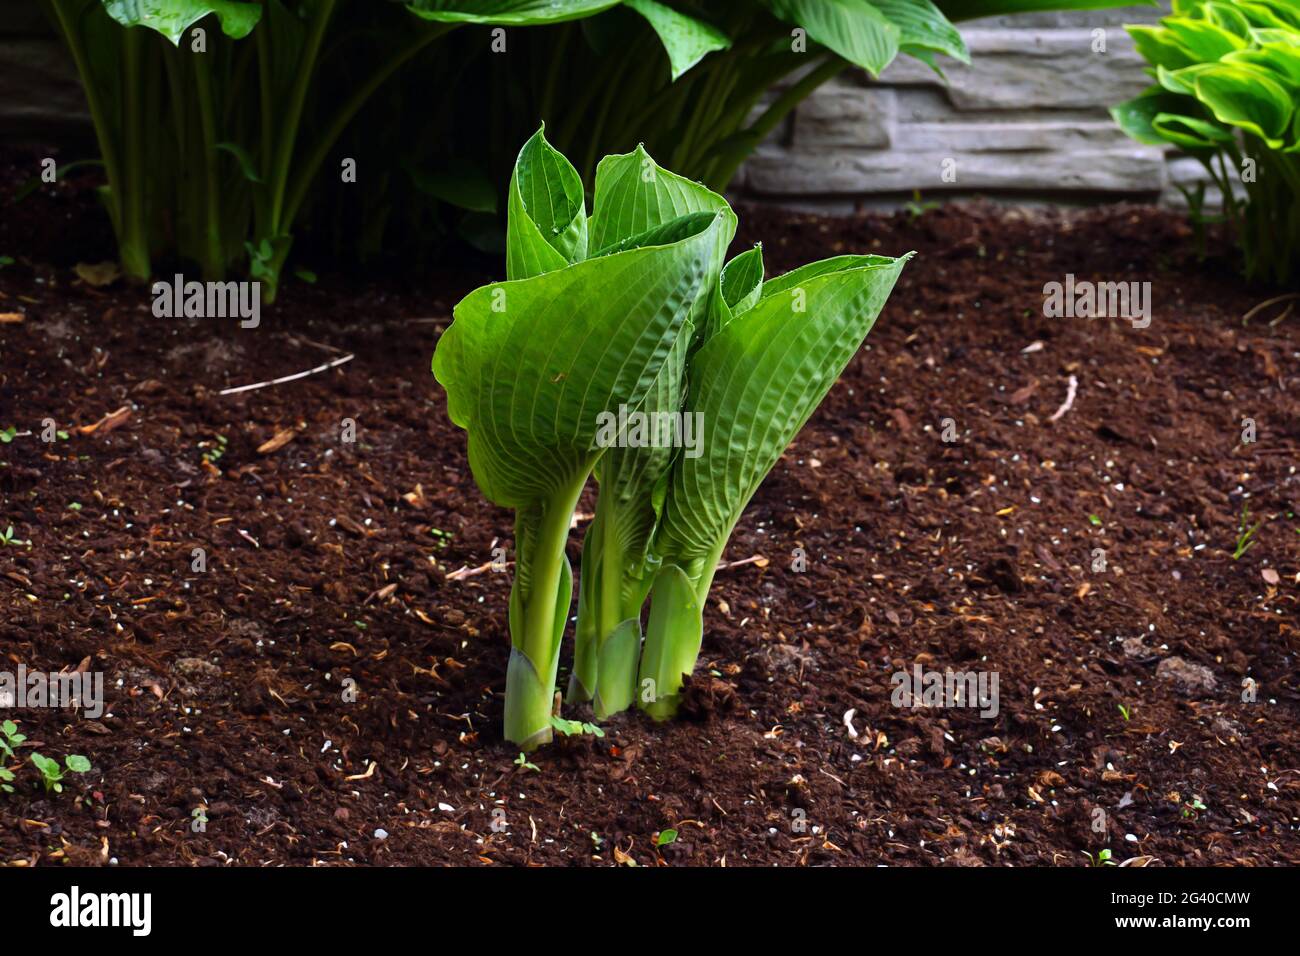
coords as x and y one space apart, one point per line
530 365
636 202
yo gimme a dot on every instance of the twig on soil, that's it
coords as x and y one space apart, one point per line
1245 319
758 559
1071 389
289 378
463 573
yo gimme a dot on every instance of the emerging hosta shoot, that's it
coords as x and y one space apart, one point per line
614 336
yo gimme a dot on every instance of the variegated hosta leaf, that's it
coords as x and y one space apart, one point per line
1249 100
172 18
757 381
1159 47
1280 61
1204 40
530 364
546 227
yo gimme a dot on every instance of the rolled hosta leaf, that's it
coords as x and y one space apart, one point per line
172 18
530 364
756 382
854 29
686 40
634 194
742 280
547 225
753 385
520 13
636 202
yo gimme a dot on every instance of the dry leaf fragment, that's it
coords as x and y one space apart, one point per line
98 273
276 442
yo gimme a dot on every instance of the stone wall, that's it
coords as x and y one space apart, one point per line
1027 119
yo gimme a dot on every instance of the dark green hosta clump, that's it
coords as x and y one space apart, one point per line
604 323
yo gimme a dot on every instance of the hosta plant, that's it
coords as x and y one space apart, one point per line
700 82
606 322
216 118
1227 91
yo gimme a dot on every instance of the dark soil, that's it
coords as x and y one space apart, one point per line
327 563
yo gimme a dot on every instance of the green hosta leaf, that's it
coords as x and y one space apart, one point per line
547 224
923 27
1190 133
520 13
458 184
172 18
686 39
742 280
529 365
665 234
854 29
1138 118
797 277
1248 100
633 472
634 194
757 381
